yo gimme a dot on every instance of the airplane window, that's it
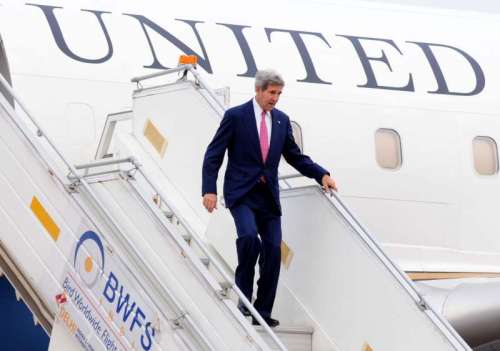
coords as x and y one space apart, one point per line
297 135
485 155
388 148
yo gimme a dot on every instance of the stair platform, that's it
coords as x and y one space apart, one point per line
294 338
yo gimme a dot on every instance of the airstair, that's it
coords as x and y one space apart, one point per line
90 252
118 254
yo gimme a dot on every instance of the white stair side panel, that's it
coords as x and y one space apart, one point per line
25 167
20 180
43 242
203 301
32 248
31 232
345 286
54 262
26 170
28 163
188 122
38 274
27 242
25 255
36 254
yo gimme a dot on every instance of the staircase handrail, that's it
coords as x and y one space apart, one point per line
403 280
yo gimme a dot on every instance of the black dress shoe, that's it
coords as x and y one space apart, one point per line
270 322
244 311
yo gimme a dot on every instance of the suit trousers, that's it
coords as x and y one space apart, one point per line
258 225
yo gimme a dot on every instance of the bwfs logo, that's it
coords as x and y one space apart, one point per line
89 262
89 258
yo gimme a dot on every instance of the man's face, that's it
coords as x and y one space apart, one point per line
268 98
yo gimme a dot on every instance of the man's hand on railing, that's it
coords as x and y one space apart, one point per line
328 183
210 202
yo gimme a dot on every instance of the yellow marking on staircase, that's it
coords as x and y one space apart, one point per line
286 255
45 219
415 276
154 136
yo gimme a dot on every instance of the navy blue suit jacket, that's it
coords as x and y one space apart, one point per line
238 134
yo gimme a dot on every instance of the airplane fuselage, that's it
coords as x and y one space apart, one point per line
351 69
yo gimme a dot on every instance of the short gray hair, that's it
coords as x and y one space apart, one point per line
267 77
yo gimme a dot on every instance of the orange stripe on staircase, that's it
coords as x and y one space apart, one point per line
45 219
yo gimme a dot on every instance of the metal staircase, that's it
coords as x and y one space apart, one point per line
332 276
112 252
94 267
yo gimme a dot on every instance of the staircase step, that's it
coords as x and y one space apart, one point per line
226 285
187 238
294 338
205 261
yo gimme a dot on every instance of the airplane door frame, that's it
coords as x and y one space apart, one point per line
5 71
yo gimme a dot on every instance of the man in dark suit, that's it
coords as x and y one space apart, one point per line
256 135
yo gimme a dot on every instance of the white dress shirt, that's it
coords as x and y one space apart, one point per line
258 116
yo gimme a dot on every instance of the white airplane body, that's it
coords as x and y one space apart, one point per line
351 68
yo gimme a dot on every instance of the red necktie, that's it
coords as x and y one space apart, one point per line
264 144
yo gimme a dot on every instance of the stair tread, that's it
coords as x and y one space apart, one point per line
289 330
226 285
